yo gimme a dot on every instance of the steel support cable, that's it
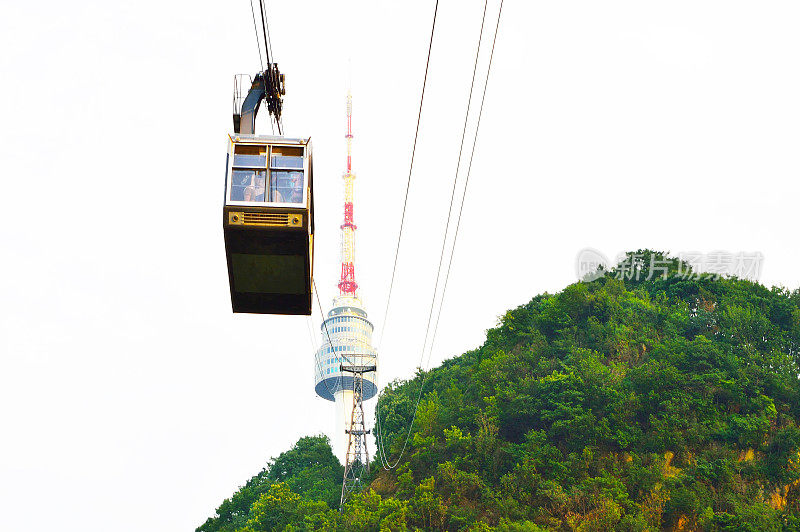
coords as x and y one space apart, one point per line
325 325
258 42
268 53
267 43
469 170
267 36
327 333
441 254
381 452
260 61
466 184
315 348
410 170
310 328
264 30
275 81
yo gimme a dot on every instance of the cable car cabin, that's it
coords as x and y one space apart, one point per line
268 223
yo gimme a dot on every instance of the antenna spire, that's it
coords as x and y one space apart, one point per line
347 283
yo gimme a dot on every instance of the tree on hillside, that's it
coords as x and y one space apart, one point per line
657 401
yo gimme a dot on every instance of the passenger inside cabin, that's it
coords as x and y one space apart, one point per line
259 186
241 180
287 187
293 193
249 186
249 193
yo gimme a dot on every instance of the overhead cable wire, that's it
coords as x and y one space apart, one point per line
272 73
458 224
264 30
336 356
387 465
267 36
469 171
310 328
325 325
268 52
455 179
410 170
444 242
330 341
466 184
317 362
258 42
381 452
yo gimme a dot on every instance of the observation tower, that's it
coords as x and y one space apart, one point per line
345 363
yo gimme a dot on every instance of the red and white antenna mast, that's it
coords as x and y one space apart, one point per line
347 283
346 362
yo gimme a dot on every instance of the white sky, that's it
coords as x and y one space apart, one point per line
132 399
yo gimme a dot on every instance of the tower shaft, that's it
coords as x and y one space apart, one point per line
356 457
346 363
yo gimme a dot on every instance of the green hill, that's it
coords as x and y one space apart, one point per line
623 403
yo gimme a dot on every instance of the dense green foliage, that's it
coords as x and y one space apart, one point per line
269 500
625 403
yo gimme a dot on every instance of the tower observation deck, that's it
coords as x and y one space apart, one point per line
346 332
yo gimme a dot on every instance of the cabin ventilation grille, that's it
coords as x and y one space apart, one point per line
264 219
